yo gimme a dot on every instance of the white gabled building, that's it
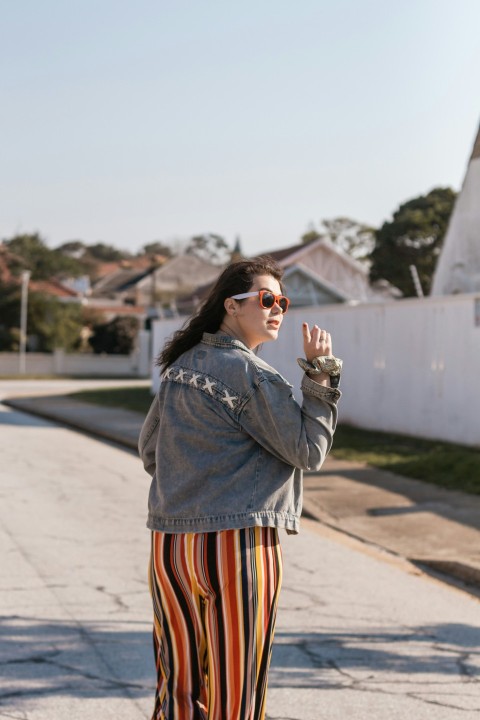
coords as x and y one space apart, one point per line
326 274
458 267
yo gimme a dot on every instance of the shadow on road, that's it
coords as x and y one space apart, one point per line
447 651
52 658
48 658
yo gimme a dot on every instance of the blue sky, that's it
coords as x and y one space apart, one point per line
128 122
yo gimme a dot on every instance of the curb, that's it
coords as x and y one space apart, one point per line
453 572
118 438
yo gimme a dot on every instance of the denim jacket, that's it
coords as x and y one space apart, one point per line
226 442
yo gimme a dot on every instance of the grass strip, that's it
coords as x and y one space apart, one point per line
440 463
129 398
444 464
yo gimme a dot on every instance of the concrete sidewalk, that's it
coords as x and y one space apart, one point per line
434 528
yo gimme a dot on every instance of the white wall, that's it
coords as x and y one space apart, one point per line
410 366
88 365
161 331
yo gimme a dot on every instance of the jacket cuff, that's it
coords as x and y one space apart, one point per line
331 395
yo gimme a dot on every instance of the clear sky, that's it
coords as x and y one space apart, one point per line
132 121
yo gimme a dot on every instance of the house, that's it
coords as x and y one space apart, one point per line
54 288
319 273
316 273
158 286
179 276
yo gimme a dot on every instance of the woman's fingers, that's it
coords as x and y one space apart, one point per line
316 341
306 333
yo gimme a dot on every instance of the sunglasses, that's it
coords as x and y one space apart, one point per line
267 299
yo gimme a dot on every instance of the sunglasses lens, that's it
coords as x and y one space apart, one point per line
268 300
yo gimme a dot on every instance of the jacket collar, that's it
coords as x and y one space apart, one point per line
219 339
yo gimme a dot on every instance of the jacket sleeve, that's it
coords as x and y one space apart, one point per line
147 441
299 435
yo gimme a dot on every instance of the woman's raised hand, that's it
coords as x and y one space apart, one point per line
316 342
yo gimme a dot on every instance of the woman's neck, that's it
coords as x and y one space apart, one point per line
226 328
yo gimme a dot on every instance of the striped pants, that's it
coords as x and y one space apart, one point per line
215 598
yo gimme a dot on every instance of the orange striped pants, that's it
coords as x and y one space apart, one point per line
215 598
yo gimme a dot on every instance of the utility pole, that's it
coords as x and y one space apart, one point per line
23 322
416 281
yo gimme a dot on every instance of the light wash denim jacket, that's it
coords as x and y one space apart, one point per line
226 442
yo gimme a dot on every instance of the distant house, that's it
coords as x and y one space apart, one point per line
319 273
316 273
304 288
119 285
55 288
178 276
158 286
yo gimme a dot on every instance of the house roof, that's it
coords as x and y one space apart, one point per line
279 255
143 262
52 287
187 271
294 253
119 280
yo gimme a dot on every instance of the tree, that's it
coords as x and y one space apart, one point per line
413 237
9 316
106 253
73 248
210 247
354 238
310 235
54 324
43 262
51 324
115 337
157 248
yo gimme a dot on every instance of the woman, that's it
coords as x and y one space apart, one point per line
226 443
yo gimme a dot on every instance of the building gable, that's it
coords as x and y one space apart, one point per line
305 288
458 266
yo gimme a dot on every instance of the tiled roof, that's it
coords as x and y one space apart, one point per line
119 280
285 252
52 287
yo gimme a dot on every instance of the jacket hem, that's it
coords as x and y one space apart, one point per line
234 521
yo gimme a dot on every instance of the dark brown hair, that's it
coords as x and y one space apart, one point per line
235 279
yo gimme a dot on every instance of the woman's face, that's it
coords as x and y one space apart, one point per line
252 323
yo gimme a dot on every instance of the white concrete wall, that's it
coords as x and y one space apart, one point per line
161 331
60 363
410 366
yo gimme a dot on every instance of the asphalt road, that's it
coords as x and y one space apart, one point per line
359 634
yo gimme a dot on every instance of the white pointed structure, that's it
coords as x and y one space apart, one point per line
458 267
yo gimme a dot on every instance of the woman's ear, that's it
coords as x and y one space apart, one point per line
230 306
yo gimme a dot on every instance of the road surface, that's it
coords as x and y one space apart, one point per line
359 634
